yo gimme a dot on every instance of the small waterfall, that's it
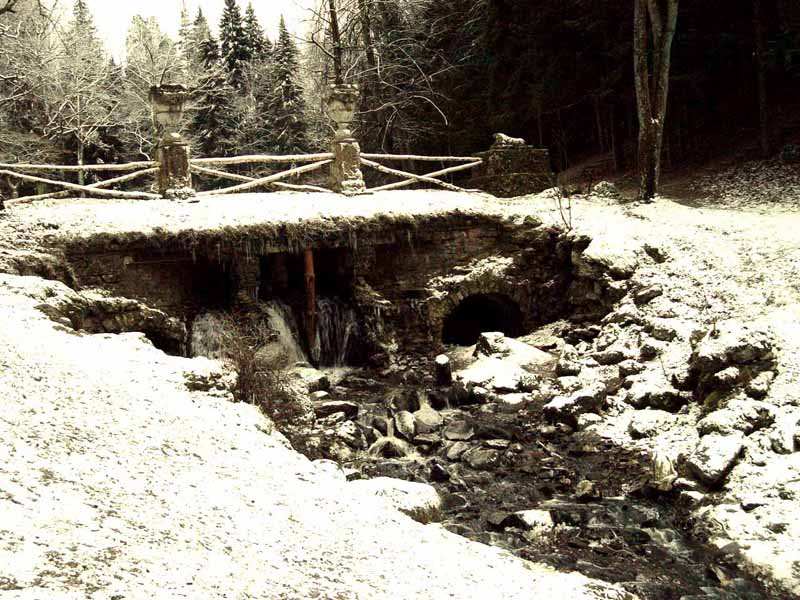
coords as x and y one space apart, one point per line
207 333
337 331
282 322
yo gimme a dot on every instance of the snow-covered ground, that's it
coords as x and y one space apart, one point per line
115 479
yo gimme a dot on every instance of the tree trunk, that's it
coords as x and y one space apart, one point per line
654 30
761 77
81 162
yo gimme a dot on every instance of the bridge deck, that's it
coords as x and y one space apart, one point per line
84 218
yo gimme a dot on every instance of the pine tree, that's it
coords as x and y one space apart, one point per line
254 34
214 125
233 43
284 108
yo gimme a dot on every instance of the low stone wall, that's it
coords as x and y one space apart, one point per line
513 170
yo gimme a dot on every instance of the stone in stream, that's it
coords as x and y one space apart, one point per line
460 430
456 450
326 408
405 425
444 370
714 457
482 459
663 472
528 520
427 420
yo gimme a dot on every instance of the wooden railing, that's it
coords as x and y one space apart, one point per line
212 167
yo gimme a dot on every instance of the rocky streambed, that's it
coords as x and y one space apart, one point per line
517 465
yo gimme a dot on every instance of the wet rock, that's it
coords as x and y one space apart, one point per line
459 430
427 439
714 457
743 415
312 379
496 518
630 367
332 419
444 370
609 356
436 400
327 408
759 385
351 435
649 423
567 408
438 472
482 459
647 293
405 425
427 420
405 400
420 501
456 450
380 424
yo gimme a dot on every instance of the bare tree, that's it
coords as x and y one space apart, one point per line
654 30
760 46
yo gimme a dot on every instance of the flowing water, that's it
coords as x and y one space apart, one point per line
282 321
337 332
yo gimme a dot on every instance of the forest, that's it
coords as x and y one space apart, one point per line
578 77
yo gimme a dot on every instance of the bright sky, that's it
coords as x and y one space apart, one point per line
113 16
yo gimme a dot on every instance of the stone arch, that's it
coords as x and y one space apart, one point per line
476 313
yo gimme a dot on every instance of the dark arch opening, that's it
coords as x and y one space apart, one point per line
479 313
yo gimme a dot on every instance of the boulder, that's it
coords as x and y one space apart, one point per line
483 459
456 450
492 342
419 501
460 430
349 433
510 403
759 386
649 423
587 420
740 414
714 457
312 379
731 344
630 367
427 420
565 409
655 392
610 356
607 190
329 407
405 425
782 437
647 293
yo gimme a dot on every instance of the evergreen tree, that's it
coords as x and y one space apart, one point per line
283 109
257 43
234 43
215 122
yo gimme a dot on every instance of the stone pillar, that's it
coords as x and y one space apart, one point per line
346 177
172 152
513 168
